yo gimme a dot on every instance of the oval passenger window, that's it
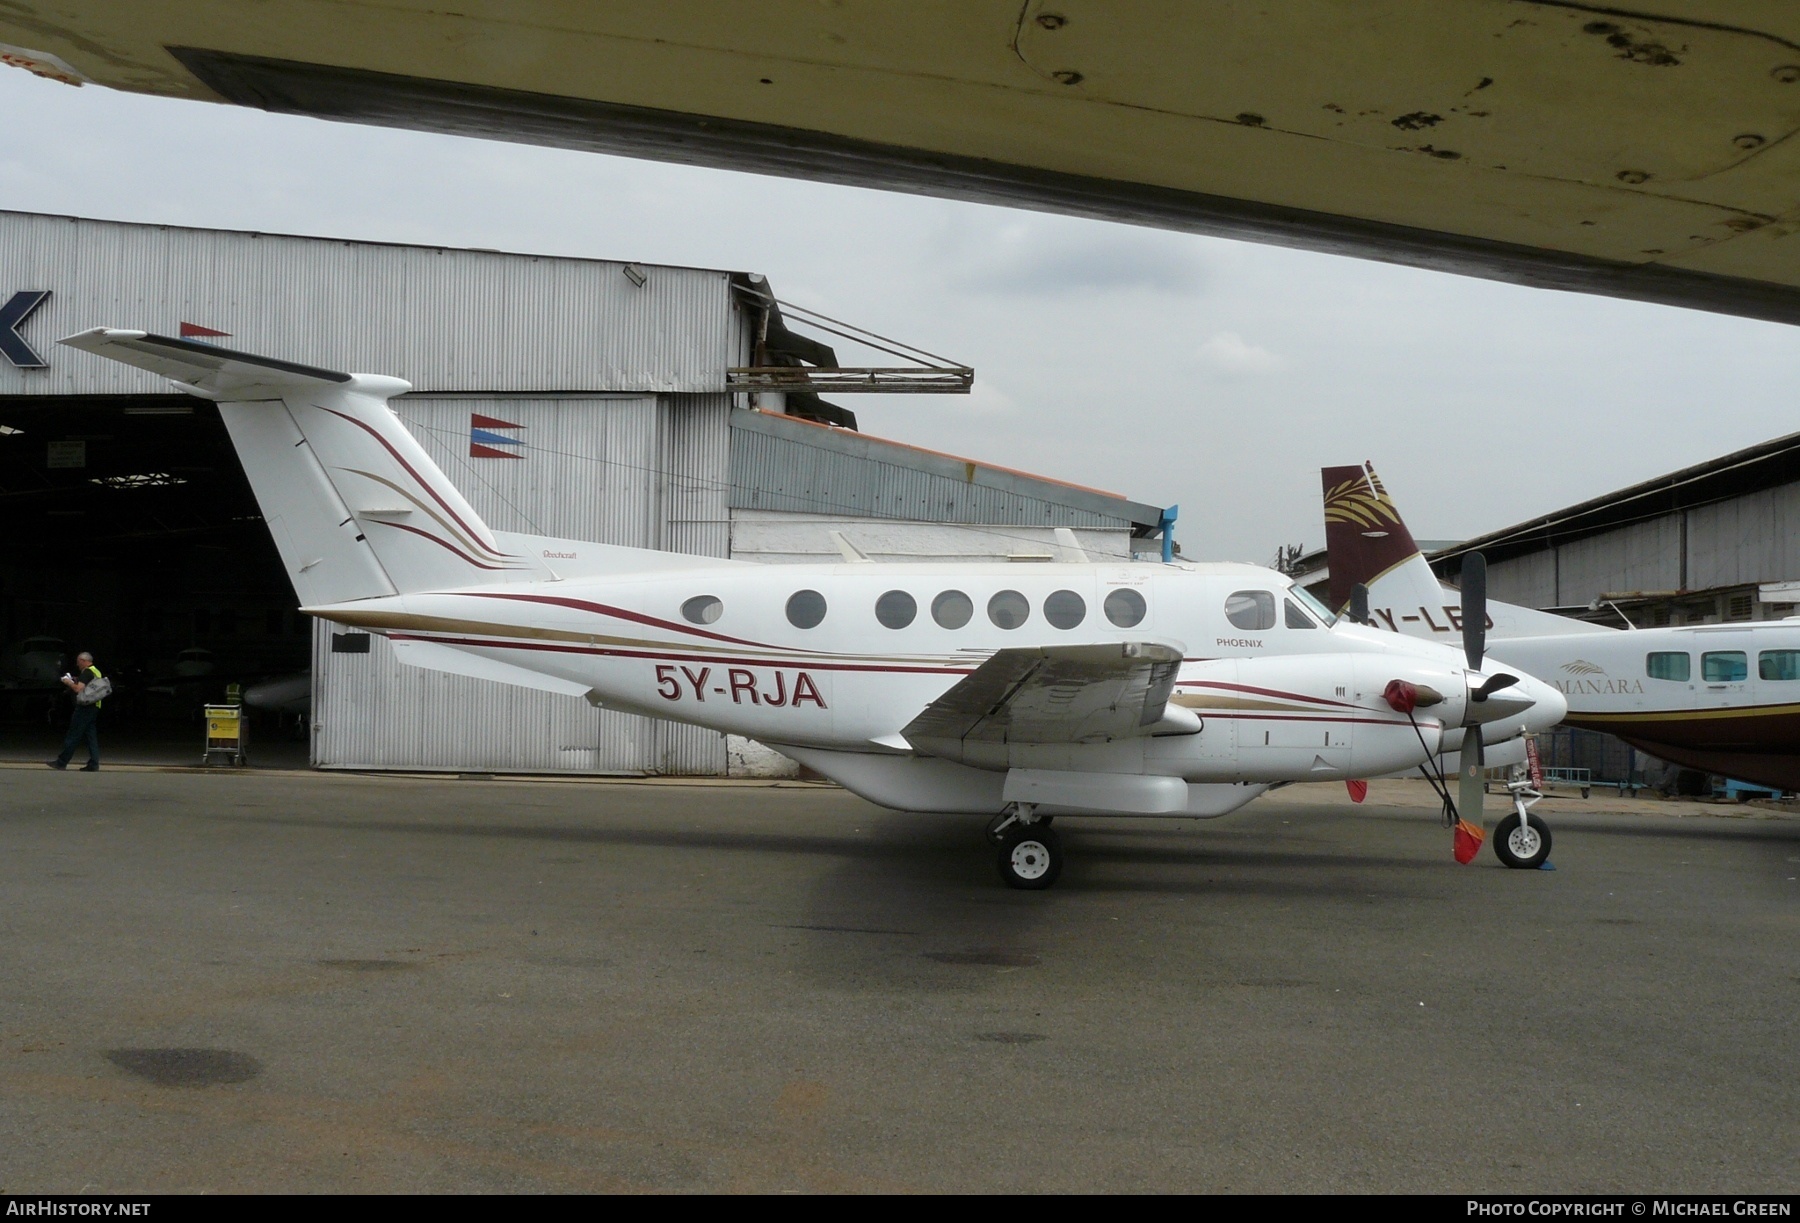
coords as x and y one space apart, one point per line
896 609
1251 609
1125 608
1008 609
702 609
1065 609
952 609
805 608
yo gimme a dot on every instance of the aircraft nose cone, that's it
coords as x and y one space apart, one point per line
1549 706
1500 705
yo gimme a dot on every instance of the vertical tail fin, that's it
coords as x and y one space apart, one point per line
1366 542
1364 536
356 506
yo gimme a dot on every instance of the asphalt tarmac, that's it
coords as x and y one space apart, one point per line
294 981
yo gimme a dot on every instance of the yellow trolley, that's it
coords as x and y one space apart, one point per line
227 734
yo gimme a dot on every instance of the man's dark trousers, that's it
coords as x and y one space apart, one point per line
84 726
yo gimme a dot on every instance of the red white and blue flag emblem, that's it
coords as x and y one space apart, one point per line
493 438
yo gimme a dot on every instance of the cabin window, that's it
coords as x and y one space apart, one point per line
1251 609
1065 609
896 609
1669 665
1725 667
1008 609
1124 607
952 609
702 609
1294 617
1778 664
805 608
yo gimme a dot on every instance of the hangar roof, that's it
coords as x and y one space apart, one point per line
786 463
1755 468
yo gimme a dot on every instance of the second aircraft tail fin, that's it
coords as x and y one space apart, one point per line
1367 542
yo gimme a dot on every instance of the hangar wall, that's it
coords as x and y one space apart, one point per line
1715 542
443 319
1753 538
637 470
1744 540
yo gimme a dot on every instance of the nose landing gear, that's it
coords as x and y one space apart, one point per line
1522 840
1031 854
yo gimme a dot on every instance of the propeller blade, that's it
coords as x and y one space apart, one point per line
1494 684
1359 603
1474 608
1471 827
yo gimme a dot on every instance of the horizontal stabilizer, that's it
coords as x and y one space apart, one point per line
218 373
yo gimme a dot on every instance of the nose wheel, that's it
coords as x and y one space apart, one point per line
1522 843
1522 840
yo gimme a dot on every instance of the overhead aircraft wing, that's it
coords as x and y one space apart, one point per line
1640 151
1053 694
216 372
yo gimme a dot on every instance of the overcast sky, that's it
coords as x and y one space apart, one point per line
1217 375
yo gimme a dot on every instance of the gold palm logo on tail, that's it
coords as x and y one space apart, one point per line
1364 537
1361 502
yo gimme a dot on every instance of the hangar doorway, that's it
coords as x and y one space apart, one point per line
131 532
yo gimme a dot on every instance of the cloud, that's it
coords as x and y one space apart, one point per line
1053 257
1229 353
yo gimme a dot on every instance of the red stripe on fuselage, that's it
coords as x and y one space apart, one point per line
606 652
620 613
1291 696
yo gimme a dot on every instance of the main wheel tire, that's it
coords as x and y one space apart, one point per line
1030 857
1523 847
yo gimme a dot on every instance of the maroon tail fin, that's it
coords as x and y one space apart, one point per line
1364 537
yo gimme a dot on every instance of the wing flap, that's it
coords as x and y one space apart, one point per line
1054 694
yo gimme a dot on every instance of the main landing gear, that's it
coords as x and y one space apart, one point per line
1522 840
1031 854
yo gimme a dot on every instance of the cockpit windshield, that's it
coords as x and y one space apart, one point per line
1299 595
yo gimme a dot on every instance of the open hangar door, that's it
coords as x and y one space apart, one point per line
132 533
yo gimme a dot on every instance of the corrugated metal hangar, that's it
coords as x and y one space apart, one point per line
619 402
1709 544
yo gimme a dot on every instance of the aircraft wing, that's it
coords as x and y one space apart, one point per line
217 372
1639 151
1053 694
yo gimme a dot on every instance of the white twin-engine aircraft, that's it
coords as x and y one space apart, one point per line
1015 692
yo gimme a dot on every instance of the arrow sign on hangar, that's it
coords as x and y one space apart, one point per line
12 316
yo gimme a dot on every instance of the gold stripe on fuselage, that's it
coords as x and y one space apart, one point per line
1686 715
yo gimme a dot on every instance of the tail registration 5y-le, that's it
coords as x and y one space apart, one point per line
1017 693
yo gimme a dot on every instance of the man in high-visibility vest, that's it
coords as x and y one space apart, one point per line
84 723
